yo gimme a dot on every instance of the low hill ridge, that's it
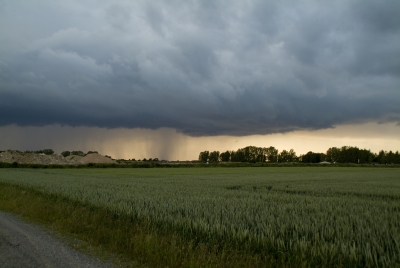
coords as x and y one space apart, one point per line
54 159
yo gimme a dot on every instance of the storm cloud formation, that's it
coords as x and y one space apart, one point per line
201 67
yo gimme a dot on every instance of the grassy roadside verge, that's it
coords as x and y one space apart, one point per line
135 242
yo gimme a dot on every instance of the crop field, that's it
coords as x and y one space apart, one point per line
313 216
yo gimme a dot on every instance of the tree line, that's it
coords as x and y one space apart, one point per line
79 153
51 152
44 151
345 154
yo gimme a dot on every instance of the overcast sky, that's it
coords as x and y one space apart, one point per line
202 68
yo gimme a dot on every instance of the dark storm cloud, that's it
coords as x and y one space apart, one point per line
201 67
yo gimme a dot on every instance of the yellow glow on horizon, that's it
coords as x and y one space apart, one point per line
170 145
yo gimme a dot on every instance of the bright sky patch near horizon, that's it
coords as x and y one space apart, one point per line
168 144
169 79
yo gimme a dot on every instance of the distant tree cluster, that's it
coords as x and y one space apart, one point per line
148 160
348 154
66 153
345 154
387 157
45 151
312 157
152 160
250 154
79 153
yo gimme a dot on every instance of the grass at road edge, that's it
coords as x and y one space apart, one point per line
106 234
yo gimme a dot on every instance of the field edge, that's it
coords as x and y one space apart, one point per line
124 241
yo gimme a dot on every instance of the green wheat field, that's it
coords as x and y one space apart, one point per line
324 216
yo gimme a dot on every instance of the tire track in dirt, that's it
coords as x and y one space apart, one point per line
27 245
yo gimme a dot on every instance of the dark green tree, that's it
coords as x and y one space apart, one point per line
333 154
66 153
397 158
238 156
226 156
203 156
311 157
349 154
213 156
271 154
390 158
48 151
287 156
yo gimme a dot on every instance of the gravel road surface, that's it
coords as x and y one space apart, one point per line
28 245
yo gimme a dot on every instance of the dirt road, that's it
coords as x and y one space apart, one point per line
27 245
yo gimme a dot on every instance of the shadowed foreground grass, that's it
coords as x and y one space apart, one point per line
134 242
233 217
